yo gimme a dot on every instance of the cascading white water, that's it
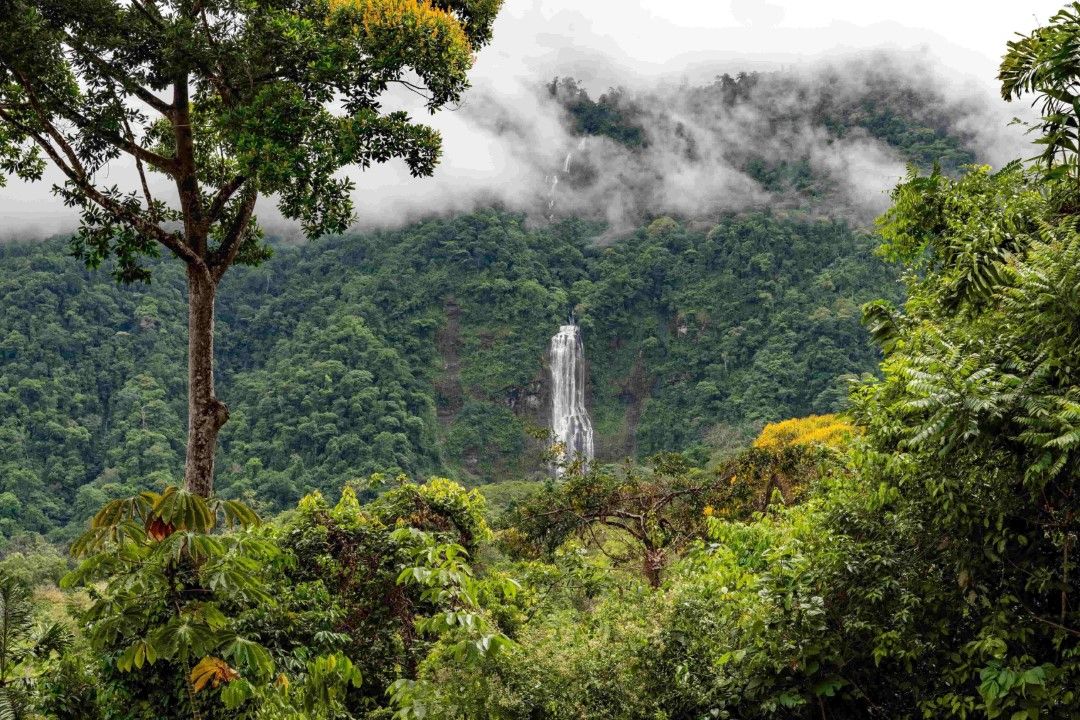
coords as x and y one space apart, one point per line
553 179
551 191
570 423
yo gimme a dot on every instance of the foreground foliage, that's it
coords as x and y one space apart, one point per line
199 610
913 558
930 569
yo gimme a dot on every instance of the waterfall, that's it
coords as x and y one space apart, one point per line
553 179
570 424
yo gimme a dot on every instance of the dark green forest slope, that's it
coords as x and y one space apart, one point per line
422 350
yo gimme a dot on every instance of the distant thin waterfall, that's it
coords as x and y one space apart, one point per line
570 423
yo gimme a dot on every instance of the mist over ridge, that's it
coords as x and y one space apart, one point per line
792 137
703 146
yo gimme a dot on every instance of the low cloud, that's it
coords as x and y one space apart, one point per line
514 145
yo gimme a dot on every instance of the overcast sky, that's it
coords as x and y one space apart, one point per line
605 42
662 29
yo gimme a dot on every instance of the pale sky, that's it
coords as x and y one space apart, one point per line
607 42
968 34
980 27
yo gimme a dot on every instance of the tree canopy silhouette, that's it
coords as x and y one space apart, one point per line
229 100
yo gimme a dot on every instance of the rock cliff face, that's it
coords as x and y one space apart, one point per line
449 395
684 330
532 401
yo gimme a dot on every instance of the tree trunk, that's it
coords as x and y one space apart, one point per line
206 414
654 566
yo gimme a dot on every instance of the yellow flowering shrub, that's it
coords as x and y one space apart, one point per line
829 430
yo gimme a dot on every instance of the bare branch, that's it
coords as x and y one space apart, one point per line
414 88
217 206
599 545
1051 623
142 176
621 526
224 256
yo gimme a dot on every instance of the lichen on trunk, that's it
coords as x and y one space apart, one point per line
206 413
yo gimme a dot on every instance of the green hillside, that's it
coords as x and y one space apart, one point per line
837 461
422 350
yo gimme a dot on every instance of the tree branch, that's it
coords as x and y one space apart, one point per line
77 175
224 256
599 545
621 526
58 137
41 141
223 196
223 88
108 69
1053 624
153 17
142 177
132 148
187 181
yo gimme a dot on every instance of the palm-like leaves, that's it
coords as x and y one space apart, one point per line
163 575
16 621
21 640
976 421
883 322
989 348
156 517
1047 62
987 356
1015 376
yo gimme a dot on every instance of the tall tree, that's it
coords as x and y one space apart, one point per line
229 99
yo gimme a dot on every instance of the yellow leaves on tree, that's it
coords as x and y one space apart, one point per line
415 27
829 430
212 671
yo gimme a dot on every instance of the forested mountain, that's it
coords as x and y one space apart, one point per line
836 462
422 351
